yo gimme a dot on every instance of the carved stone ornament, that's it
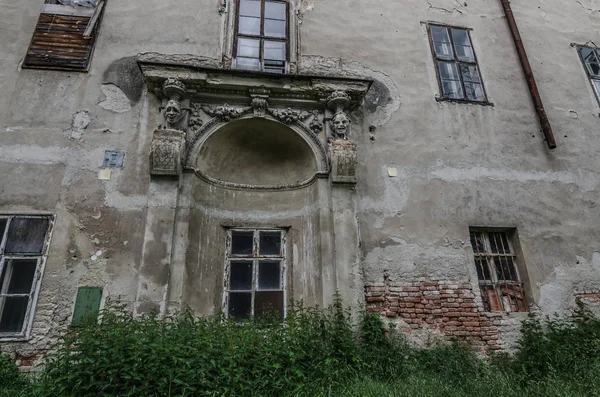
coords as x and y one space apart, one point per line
195 122
167 152
289 116
340 122
343 161
174 114
225 113
260 106
316 125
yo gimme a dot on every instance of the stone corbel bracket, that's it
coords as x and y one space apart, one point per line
167 152
343 151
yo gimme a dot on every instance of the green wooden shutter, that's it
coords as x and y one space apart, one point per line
87 303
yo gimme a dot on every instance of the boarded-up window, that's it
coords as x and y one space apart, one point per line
87 304
64 37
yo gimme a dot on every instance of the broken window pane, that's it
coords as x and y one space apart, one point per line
270 243
590 60
483 269
242 243
2 228
240 305
26 235
269 275
240 275
266 302
19 273
14 309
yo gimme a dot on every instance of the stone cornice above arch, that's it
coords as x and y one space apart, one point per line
206 83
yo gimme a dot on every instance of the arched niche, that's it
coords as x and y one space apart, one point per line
257 173
256 153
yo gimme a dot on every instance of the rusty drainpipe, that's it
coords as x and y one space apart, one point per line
535 94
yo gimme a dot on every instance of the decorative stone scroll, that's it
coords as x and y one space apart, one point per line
167 152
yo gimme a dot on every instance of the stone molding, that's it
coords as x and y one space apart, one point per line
343 161
215 97
166 152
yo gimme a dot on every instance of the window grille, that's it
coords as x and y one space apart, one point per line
499 279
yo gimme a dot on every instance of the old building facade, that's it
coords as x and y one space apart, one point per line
233 155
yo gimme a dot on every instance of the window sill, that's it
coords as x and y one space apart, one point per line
14 338
466 101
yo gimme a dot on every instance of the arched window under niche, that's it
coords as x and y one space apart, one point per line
262 36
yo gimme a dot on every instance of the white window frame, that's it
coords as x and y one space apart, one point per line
490 258
255 258
25 332
594 79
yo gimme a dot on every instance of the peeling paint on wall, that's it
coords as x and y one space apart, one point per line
116 100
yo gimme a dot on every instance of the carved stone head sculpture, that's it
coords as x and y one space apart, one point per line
173 113
341 125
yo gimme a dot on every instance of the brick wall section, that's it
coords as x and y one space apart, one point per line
589 296
450 307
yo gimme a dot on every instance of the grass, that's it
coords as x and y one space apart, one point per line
317 352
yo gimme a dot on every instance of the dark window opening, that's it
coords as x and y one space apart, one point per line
22 246
255 274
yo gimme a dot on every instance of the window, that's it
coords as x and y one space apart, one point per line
261 41
255 273
65 35
456 64
499 280
22 253
590 58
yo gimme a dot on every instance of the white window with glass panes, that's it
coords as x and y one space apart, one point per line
255 273
261 36
591 60
456 64
23 246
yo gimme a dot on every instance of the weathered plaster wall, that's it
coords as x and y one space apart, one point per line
468 165
458 165
54 129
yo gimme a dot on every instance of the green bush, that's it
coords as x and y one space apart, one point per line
315 352
11 379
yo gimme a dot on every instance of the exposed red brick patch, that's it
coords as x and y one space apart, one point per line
448 306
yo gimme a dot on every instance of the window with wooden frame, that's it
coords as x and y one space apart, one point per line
262 36
65 35
591 61
456 64
497 271
24 242
254 273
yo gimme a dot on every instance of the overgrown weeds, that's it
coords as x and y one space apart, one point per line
316 352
